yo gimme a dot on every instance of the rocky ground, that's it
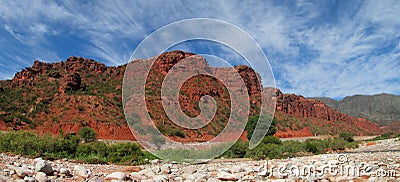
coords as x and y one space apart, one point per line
374 161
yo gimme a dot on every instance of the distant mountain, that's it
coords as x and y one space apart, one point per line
382 109
65 96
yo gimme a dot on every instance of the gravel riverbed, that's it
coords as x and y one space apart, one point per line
379 161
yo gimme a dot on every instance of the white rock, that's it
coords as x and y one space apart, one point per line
116 175
165 169
43 166
212 180
64 171
96 179
160 178
155 161
21 173
224 176
80 171
156 169
29 179
147 172
41 177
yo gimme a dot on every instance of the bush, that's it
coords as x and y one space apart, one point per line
88 134
48 147
264 125
238 150
272 140
346 136
316 146
158 140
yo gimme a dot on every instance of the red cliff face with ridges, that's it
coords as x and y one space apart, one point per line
303 108
82 92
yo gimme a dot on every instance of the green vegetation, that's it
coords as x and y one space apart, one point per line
385 136
70 146
264 125
346 136
88 134
272 147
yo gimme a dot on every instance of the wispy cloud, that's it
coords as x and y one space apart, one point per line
316 48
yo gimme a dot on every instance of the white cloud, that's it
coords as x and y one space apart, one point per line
316 48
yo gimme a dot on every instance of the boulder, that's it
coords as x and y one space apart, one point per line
43 166
80 171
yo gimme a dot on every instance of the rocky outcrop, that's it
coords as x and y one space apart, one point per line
301 107
70 82
94 98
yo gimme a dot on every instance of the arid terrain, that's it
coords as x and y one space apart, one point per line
373 161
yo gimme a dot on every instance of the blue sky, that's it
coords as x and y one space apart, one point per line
315 48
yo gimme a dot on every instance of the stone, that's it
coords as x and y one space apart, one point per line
156 169
80 171
131 169
165 169
147 172
248 178
43 166
160 178
225 176
21 173
29 179
41 177
373 179
64 171
212 180
96 179
116 175
155 161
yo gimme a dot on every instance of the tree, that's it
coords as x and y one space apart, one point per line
265 124
88 134
158 140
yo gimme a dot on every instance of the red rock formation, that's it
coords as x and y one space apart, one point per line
103 110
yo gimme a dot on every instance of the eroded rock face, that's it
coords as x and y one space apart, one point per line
71 82
309 108
89 76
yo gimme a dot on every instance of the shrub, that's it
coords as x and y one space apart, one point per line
157 140
88 134
238 150
264 125
271 139
316 146
346 136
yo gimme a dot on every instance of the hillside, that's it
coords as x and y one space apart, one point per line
382 109
65 96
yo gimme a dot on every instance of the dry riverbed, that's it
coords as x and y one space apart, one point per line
378 161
